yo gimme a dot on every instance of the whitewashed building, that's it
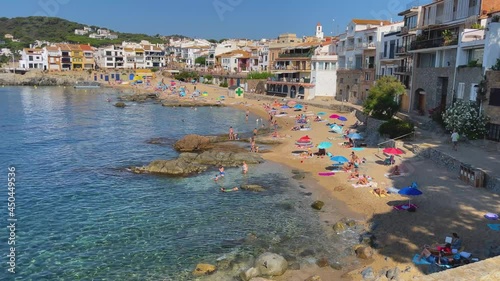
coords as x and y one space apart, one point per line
323 73
31 59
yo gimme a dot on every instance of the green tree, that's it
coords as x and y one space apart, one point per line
200 60
212 41
222 40
382 98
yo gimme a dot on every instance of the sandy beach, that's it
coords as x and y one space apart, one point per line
447 204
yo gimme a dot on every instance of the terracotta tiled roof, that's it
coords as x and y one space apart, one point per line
377 22
52 48
128 49
242 54
85 47
31 50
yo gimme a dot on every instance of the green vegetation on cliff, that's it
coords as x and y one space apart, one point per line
56 30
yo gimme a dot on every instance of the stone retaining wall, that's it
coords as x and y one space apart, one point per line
482 270
491 182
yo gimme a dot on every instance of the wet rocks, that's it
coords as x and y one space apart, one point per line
120 104
192 143
191 163
204 269
267 264
363 252
318 205
339 227
253 187
368 274
323 262
270 264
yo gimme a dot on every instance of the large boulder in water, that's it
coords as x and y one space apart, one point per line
120 104
191 163
191 143
270 264
204 269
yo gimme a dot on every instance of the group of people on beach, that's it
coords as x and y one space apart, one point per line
447 254
222 173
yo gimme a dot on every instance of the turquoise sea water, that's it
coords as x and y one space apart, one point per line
82 216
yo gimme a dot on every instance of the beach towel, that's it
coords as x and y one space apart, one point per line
491 216
494 226
357 148
389 175
392 190
371 184
404 207
422 261
326 174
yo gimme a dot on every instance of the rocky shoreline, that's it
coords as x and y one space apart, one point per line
200 153
42 79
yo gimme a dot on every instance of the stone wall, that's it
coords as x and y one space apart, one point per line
493 78
427 79
491 182
347 85
469 76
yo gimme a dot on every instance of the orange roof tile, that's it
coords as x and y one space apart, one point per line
52 48
363 22
86 47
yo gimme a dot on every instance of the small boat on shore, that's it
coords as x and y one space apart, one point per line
87 85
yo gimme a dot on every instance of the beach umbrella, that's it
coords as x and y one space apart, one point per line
339 158
355 136
336 128
342 118
285 107
321 113
305 138
392 151
334 116
325 144
410 191
298 106
291 103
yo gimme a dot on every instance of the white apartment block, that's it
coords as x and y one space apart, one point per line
31 59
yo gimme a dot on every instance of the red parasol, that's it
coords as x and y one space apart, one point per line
393 151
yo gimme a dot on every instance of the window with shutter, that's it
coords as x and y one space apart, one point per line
460 91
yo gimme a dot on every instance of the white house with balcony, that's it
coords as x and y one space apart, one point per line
323 73
263 58
110 57
32 59
52 58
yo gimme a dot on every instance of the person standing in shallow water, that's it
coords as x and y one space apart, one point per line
231 133
244 168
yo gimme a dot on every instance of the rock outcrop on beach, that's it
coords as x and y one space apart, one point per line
204 269
267 264
138 97
191 163
192 143
35 79
120 104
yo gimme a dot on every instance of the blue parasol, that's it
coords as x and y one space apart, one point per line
325 144
339 158
342 118
336 128
410 191
321 113
298 106
355 136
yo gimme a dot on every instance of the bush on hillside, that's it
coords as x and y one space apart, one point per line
395 128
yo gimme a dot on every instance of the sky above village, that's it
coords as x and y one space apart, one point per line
217 19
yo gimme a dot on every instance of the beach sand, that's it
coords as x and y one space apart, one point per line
447 205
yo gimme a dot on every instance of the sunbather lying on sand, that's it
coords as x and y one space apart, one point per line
380 191
354 175
362 181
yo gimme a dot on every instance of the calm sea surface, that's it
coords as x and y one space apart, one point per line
82 216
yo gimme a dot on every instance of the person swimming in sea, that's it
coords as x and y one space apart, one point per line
229 189
244 167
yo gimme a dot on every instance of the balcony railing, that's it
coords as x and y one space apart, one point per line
296 55
401 50
403 69
433 43
288 67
